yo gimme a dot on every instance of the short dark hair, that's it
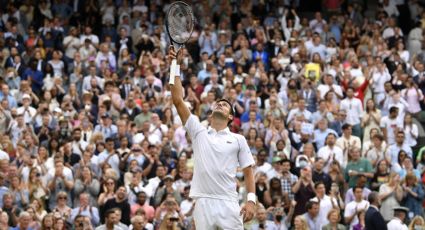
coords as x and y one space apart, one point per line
285 160
345 126
109 212
393 109
357 187
110 139
373 197
319 183
232 112
310 204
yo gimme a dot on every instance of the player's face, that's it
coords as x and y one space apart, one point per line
223 108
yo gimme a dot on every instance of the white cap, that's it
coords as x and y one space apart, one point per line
26 96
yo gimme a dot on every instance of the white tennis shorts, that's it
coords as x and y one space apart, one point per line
210 214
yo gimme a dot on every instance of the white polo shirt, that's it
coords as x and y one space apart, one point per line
216 158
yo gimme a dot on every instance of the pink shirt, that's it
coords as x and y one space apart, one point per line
412 97
149 210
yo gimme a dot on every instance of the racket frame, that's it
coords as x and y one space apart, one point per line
174 68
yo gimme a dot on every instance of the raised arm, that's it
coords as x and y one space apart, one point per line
177 90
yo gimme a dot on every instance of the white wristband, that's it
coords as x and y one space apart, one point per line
177 71
251 197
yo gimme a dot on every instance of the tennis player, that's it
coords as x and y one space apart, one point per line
217 154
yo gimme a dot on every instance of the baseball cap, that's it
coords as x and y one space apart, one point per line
26 96
105 115
276 160
401 209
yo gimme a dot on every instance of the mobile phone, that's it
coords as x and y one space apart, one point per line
174 219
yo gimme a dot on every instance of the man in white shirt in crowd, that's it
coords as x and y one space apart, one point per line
26 109
401 104
78 144
301 109
380 75
330 86
317 23
330 152
261 164
326 203
354 108
356 206
348 141
390 125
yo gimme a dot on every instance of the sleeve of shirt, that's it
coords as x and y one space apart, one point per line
245 155
382 123
348 211
193 126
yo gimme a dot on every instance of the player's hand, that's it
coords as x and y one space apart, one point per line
248 211
172 54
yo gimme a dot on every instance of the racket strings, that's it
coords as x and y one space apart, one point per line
180 23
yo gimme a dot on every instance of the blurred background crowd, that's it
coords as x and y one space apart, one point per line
329 95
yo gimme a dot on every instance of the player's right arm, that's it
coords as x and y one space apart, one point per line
177 91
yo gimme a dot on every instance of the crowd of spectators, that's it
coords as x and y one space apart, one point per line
329 95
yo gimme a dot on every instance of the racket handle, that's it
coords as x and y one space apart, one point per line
173 69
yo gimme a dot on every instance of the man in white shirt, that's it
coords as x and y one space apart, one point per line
397 223
301 110
354 108
317 47
89 35
156 126
26 109
262 165
355 207
217 154
326 203
153 183
348 141
401 104
92 75
330 152
72 43
78 144
330 86
380 75
390 125
317 23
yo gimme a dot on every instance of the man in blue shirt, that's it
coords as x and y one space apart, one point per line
86 210
321 133
5 93
24 222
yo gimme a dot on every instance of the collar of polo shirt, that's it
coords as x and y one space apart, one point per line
224 131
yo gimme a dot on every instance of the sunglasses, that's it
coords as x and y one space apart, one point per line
62 198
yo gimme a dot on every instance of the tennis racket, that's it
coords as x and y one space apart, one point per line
179 23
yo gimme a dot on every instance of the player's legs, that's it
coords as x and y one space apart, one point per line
204 214
228 216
